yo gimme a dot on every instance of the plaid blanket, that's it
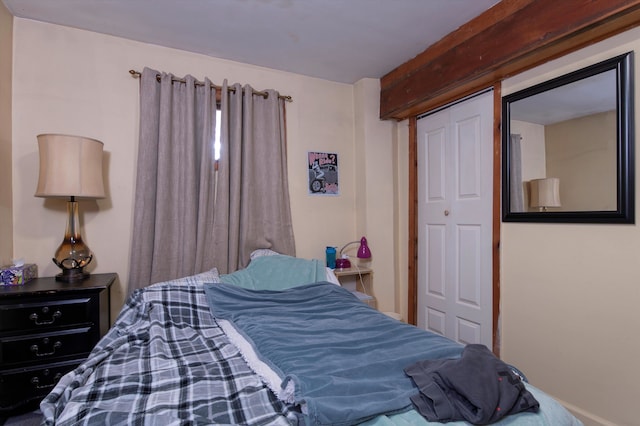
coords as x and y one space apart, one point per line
165 362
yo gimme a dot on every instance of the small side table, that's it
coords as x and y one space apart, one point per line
357 280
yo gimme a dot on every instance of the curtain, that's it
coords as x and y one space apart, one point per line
188 218
252 208
173 208
516 193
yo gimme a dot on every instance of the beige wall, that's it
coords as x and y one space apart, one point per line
570 292
574 150
375 214
401 206
571 150
532 149
77 82
6 62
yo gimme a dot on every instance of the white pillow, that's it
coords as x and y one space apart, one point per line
262 252
210 276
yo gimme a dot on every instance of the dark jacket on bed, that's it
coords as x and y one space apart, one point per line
477 387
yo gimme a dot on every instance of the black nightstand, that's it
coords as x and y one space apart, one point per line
47 328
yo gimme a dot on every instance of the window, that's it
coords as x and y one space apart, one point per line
216 144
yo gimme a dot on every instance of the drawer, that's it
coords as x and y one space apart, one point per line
45 314
45 347
20 386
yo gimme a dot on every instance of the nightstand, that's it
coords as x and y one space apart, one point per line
47 328
357 280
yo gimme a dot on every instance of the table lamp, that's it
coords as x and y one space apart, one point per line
545 193
363 253
70 167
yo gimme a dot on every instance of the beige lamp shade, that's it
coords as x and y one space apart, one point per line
545 192
70 166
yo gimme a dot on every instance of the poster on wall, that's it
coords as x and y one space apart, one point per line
323 173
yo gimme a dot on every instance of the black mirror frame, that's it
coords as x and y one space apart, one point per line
625 212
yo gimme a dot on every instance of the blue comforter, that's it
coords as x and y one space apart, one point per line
343 359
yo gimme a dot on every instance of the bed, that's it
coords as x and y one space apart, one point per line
279 343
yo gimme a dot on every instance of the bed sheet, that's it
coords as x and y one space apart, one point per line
166 361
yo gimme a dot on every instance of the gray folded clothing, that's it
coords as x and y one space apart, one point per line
477 387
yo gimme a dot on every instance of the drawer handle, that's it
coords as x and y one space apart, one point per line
35 381
35 318
56 345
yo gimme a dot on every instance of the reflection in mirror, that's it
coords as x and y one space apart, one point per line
567 147
566 134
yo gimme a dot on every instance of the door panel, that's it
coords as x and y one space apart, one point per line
469 257
436 147
436 246
469 178
468 332
435 321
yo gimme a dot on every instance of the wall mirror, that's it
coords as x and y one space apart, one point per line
567 147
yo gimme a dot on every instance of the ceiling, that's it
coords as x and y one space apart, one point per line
591 95
337 40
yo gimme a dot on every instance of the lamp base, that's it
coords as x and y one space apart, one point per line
73 254
343 263
72 275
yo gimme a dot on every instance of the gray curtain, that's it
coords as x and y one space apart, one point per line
252 207
516 194
188 218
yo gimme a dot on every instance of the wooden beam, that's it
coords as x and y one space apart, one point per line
495 240
412 285
511 37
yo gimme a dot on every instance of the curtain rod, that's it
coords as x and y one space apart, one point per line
138 74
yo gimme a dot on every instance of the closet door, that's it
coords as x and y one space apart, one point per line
455 172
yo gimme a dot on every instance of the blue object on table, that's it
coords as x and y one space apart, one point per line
331 257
